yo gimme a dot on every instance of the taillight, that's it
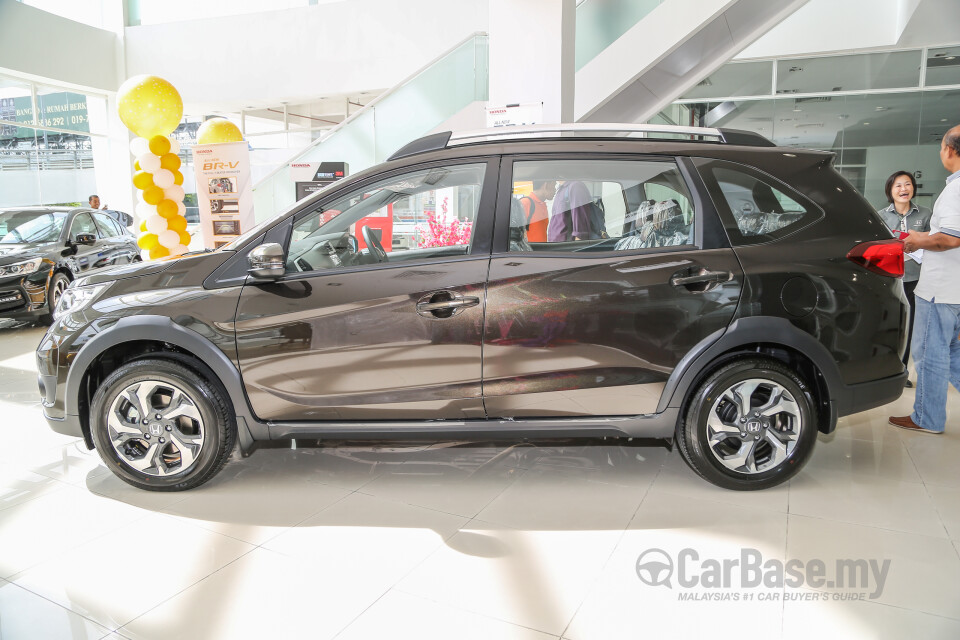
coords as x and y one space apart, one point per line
880 256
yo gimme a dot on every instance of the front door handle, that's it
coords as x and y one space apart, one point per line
701 280
456 303
444 304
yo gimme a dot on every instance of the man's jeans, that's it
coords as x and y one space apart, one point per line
936 354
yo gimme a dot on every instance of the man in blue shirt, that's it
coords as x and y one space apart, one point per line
936 347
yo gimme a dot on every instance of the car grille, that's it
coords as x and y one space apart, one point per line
11 299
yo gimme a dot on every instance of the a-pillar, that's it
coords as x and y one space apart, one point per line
532 55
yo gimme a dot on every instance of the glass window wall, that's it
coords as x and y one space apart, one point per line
46 146
876 111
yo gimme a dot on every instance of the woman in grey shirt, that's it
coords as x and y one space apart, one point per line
901 216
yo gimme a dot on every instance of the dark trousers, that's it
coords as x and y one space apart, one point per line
908 288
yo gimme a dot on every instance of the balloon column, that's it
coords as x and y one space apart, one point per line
151 108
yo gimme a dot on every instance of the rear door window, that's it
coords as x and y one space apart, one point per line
598 205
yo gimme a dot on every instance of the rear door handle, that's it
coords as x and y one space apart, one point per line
456 303
702 277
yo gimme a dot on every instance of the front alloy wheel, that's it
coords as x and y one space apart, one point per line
751 424
161 425
155 428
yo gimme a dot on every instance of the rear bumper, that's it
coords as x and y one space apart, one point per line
868 395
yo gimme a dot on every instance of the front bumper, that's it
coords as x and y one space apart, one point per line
24 297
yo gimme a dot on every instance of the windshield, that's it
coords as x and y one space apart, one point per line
18 227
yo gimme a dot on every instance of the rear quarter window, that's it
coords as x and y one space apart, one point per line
755 207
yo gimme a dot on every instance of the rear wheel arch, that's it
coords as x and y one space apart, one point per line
768 337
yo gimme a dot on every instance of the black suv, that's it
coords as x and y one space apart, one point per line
42 249
697 285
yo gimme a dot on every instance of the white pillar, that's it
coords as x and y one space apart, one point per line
532 55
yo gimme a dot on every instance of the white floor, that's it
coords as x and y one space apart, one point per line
466 542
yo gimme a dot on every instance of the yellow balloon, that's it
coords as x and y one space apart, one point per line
159 251
136 165
167 208
147 241
217 130
142 180
177 223
177 176
170 161
153 195
143 227
159 145
185 238
149 106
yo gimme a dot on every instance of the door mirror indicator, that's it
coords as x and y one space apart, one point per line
266 261
87 239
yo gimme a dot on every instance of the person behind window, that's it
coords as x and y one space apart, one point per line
94 202
903 215
576 215
535 209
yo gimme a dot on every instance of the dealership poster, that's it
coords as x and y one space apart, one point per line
224 192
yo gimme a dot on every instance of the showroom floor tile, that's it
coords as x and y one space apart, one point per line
486 540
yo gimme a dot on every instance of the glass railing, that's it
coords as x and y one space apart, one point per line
411 109
601 22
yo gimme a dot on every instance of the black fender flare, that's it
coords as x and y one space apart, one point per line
746 331
163 329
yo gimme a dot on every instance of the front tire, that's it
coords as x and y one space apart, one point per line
58 284
160 425
750 425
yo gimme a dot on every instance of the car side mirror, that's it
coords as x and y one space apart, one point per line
266 261
87 239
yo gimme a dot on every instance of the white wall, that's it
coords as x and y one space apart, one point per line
824 26
296 54
532 55
41 45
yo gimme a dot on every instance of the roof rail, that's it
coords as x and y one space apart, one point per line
437 141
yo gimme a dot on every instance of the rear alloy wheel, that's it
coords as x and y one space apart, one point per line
750 425
159 425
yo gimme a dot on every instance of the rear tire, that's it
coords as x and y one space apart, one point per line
750 425
160 425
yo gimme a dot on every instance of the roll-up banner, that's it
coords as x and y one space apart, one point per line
224 192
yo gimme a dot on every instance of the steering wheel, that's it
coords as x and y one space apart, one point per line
376 249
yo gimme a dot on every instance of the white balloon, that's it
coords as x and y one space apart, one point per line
145 210
149 162
163 178
157 224
139 146
169 238
173 192
174 145
179 249
181 208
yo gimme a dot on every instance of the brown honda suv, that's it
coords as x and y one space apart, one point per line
700 286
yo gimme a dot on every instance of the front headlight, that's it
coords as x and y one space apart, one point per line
20 268
76 298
